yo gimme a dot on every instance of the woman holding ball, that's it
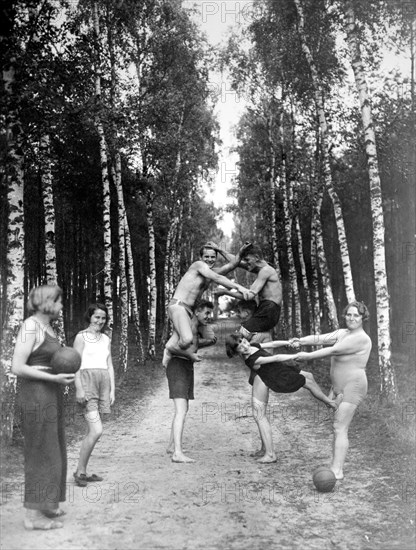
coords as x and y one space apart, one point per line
94 384
349 350
42 406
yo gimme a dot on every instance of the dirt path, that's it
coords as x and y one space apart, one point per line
225 500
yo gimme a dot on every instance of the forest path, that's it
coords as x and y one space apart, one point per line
226 500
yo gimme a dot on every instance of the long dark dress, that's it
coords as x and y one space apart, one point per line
44 434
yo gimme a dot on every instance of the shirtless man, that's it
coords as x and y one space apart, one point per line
190 288
266 288
349 351
180 374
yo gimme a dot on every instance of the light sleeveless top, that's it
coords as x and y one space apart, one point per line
96 351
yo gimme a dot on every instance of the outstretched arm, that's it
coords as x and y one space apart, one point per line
274 344
232 261
328 339
208 273
347 346
281 358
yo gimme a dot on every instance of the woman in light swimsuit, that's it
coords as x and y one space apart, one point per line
349 350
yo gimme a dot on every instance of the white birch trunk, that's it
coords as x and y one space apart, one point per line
322 261
293 301
108 294
151 345
316 310
50 233
15 265
319 102
124 295
273 231
388 385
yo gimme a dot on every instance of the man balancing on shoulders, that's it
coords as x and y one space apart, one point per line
191 287
266 289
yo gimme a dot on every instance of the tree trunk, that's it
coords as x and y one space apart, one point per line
387 374
293 299
108 293
151 342
50 232
273 231
322 262
319 102
15 262
123 293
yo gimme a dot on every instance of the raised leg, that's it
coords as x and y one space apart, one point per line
182 325
316 391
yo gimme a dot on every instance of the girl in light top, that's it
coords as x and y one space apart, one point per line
94 384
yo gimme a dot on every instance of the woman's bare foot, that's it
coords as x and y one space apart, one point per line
258 453
180 457
339 474
267 459
34 519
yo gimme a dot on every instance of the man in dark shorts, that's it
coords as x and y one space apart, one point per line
266 289
180 374
275 372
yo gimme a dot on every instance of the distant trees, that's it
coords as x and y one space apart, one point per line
316 152
108 132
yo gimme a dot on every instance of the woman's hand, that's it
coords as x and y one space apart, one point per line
294 344
80 396
64 378
112 397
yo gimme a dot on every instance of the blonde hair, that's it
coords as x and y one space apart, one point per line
42 298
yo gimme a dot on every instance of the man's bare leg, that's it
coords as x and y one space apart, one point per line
181 408
342 421
182 325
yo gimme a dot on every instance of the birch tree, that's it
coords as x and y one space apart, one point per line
387 374
319 101
108 293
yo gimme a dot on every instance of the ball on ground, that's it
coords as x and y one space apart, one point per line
324 479
66 360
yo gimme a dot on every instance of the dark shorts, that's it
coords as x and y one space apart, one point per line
265 317
96 385
180 373
280 377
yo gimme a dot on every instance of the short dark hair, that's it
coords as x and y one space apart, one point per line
254 250
206 247
203 304
361 308
249 305
90 311
231 343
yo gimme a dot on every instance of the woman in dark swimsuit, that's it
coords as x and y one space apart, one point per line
42 409
274 372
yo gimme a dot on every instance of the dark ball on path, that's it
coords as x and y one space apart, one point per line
324 479
65 360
